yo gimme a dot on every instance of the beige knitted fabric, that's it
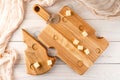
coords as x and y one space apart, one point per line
11 16
6 64
105 8
47 3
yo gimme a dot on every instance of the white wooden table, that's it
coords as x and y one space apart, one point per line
107 67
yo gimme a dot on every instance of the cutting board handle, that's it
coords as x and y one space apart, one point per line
41 12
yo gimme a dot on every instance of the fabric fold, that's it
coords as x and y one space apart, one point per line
105 8
11 16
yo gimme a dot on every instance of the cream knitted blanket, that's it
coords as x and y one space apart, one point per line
11 16
105 8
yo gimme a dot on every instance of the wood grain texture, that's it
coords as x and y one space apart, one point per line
61 35
107 67
36 53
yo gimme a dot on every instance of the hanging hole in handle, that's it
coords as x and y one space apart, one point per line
37 8
54 18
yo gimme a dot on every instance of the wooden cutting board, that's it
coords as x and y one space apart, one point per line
37 60
74 39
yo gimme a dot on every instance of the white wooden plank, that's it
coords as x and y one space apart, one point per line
109 29
111 55
63 72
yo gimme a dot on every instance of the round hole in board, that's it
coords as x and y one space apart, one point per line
37 9
52 52
54 18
